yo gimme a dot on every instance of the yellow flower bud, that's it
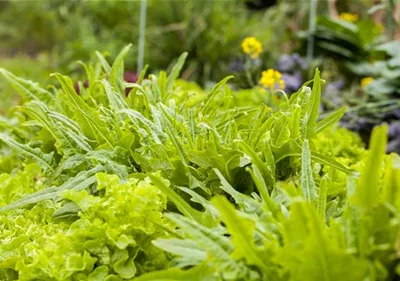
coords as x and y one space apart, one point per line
252 47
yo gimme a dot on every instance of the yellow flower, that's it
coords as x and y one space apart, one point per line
272 79
252 47
349 17
366 81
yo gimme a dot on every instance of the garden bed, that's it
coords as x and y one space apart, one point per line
173 183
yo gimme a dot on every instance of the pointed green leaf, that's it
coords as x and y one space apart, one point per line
176 71
330 119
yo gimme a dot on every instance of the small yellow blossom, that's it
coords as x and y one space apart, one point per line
252 47
366 81
349 17
272 79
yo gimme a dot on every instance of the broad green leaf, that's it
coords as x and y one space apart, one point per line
392 180
125 267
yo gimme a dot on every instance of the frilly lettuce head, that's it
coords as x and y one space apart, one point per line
110 231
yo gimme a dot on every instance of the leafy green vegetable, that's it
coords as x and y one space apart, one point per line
108 235
171 183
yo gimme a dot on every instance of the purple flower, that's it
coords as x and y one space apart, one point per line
394 130
237 65
334 86
287 63
292 81
396 113
299 61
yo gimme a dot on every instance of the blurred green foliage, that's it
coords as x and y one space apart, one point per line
211 31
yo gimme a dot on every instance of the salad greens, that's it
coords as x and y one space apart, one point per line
171 182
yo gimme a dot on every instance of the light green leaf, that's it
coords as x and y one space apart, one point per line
46 161
367 191
242 231
313 107
213 94
330 119
27 89
280 132
176 70
306 178
117 70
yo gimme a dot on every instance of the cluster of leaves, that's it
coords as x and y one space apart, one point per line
109 186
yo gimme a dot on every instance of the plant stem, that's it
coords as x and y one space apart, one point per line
311 30
142 32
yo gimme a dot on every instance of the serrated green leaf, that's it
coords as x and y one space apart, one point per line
46 161
242 231
307 183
